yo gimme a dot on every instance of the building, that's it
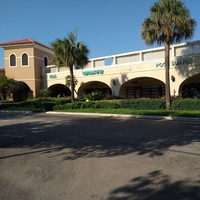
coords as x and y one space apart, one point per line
139 74
24 61
2 71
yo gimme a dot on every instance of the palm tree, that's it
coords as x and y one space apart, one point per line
68 52
68 82
168 23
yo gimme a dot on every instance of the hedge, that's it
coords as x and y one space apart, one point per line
135 104
44 103
186 104
143 104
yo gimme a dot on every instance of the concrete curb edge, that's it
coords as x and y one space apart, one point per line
188 119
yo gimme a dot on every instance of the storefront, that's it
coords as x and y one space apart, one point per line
139 74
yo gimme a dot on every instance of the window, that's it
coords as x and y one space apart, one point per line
24 59
45 61
12 60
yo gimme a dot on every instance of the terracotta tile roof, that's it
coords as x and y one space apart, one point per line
23 41
2 70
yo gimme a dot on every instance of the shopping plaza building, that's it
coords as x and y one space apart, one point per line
138 74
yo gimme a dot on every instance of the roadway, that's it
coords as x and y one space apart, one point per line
75 157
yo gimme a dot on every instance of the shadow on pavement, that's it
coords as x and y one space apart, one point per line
156 186
75 137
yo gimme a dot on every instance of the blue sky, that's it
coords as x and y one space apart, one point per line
107 27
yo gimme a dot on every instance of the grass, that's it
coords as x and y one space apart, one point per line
173 113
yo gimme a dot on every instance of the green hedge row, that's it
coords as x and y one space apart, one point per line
48 104
89 104
136 104
45 103
186 104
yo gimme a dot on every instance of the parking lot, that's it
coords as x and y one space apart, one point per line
49 157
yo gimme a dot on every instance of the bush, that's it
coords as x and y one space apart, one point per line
90 104
136 104
43 103
143 104
48 104
186 104
45 93
74 105
106 104
94 96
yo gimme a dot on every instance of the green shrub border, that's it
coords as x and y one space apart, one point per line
48 104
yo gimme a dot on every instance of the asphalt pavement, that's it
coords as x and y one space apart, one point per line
98 157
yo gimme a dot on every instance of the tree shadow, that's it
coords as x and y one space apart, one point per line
186 67
115 82
79 137
156 186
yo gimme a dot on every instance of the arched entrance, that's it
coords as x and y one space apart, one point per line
20 91
190 87
143 87
94 86
59 90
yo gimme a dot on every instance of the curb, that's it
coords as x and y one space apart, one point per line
169 118
153 117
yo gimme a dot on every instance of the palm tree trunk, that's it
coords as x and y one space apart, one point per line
167 80
72 83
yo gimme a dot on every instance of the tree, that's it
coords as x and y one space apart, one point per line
68 82
168 23
6 86
68 52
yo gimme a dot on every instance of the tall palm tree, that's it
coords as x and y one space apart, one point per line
169 23
68 52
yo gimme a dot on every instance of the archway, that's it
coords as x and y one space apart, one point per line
190 87
94 86
59 90
20 91
142 87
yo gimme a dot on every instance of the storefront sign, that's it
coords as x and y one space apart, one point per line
181 62
92 72
160 64
52 76
176 62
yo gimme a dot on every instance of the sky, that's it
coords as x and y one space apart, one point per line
107 27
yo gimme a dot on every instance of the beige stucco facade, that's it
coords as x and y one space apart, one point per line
129 75
136 69
30 73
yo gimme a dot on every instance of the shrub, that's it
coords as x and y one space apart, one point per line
136 104
106 104
44 93
74 105
143 104
89 104
186 104
43 103
94 96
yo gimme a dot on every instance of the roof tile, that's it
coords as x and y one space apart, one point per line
23 41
